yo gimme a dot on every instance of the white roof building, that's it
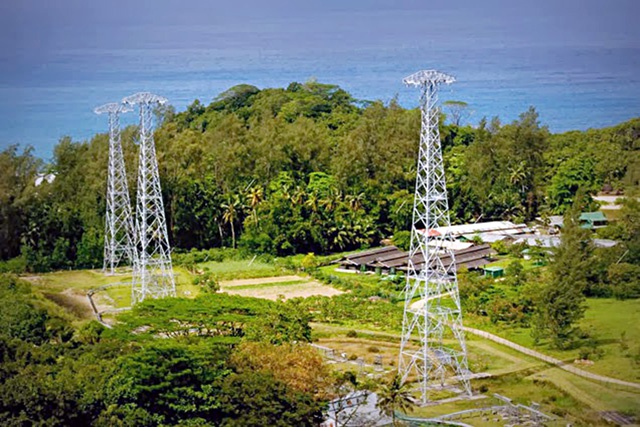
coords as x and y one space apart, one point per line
496 227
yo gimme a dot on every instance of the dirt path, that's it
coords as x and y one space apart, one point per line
552 360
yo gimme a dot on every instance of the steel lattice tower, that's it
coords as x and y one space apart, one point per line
153 272
434 284
119 240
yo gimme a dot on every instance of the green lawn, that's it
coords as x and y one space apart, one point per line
80 279
611 323
596 395
504 261
241 269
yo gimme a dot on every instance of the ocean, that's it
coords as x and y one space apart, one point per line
51 92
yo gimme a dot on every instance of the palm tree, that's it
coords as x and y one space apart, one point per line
255 196
355 201
231 210
519 175
312 202
331 201
297 198
394 396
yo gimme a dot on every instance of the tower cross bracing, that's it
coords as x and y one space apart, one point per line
119 239
153 271
432 309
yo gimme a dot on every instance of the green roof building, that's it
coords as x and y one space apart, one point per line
494 271
591 220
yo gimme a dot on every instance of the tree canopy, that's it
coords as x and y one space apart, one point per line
301 169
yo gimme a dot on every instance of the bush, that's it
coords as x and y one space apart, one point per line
500 247
207 281
309 261
402 239
17 265
352 334
590 351
373 349
625 280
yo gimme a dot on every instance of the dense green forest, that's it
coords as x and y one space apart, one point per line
302 169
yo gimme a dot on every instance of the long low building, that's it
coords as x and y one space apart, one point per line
495 227
390 259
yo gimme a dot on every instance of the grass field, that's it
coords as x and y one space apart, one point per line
595 395
240 269
504 261
611 323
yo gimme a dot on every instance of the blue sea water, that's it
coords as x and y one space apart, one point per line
576 80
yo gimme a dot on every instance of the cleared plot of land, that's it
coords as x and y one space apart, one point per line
274 287
74 301
261 281
76 279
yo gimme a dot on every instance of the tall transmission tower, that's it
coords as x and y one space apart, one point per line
153 272
119 239
432 302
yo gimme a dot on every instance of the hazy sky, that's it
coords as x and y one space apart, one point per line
29 29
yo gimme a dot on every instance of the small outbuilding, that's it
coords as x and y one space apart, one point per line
494 271
592 220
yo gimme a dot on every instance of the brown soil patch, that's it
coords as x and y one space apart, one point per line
75 303
298 290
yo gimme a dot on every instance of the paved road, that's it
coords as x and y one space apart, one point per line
559 363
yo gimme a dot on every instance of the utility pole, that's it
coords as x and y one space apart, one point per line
153 271
119 234
432 302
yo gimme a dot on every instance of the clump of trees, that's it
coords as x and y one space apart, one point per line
212 372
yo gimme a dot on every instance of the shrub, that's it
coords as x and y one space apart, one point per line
309 261
402 239
17 265
352 334
373 349
625 280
